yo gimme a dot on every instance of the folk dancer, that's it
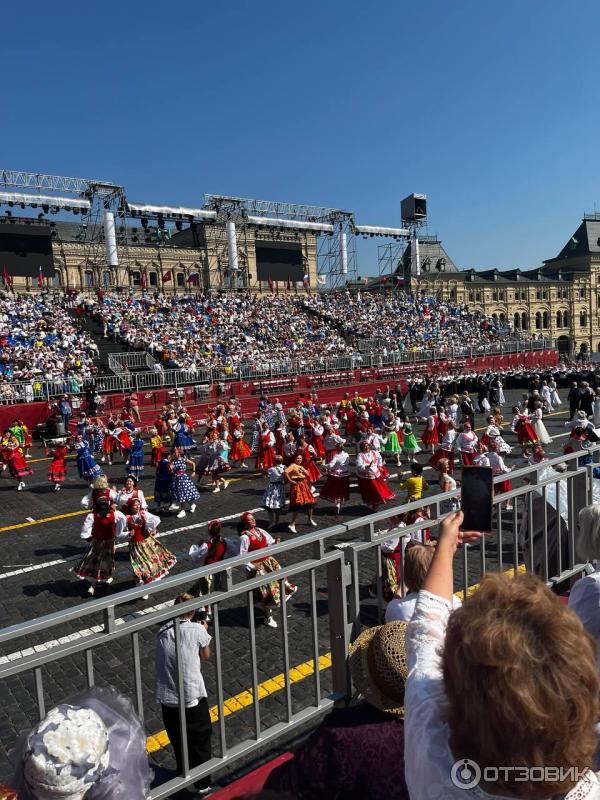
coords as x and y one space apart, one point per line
274 497
183 489
446 449
526 434
57 470
538 426
265 457
100 490
301 496
150 560
498 466
86 463
372 486
336 488
239 449
255 540
136 459
101 528
467 442
430 435
129 493
17 465
211 551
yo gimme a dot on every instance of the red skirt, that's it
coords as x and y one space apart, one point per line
317 443
336 489
502 487
57 471
329 454
109 444
125 441
430 436
239 450
18 466
374 491
265 458
384 472
156 451
437 457
313 471
279 442
526 434
467 459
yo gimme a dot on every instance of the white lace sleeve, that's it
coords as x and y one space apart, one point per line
424 698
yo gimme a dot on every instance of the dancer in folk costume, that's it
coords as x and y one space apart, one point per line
467 444
498 466
210 551
129 493
526 435
453 409
538 426
239 449
183 489
493 433
392 442
17 465
392 553
217 466
255 540
96 436
554 398
336 488
409 445
308 459
57 471
330 442
279 433
100 491
150 560
265 457
110 443
430 435
446 449
183 435
290 448
546 396
415 484
156 443
274 496
372 486
5 449
86 463
136 459
317 439
163 482
101 528
301 496
447 483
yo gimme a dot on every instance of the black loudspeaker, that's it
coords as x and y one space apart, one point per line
413 208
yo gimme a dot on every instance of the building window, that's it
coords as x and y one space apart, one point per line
517 320
153 278
136 278
180 279
524 321
538 321
545 320
471 296
502 318
56 279
583 319
452 294
582 293
106 279
565 319
559 319
88 279
478 297
538 294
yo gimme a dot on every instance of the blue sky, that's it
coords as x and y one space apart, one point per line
488 108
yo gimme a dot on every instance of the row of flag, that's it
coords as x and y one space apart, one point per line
7 279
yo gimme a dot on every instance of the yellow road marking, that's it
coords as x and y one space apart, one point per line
300 672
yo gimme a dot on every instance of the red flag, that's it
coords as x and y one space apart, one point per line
6 276
143 282
168 276
193 278
270 283
289 284
40 278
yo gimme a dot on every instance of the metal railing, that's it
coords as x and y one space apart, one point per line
122 362
537 534
124 380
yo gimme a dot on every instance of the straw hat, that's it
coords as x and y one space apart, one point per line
379 666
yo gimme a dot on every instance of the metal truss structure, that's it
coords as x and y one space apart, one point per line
389 262
269 208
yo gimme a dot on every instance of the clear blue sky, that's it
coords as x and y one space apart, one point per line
491 109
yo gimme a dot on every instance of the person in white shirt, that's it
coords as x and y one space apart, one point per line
336 488
492 685
417 560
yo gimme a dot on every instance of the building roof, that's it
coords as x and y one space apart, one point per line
432 256
585 241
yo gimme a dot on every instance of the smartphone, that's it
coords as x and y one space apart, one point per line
476 500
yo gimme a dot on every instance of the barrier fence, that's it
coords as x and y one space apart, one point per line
537 534
125 380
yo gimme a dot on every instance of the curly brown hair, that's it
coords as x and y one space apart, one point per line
521 683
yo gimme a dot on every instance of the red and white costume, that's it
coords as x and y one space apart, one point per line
309 463
446 450
467 446
317 439
430 434
521 425
336 488
57 470
498 466
371 484
330 443
266 450
17 465
239 448
124 498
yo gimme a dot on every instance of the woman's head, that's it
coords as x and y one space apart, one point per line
101 482
521 683
443 465
298 458
417 560
130 483
214 528
135 507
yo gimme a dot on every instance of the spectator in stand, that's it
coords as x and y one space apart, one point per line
493 685
92 746
195 647
357 751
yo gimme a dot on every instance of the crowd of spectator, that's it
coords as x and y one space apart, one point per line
41 340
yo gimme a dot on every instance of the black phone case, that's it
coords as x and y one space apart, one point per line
477 493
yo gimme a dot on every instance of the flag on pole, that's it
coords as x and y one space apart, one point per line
6 276
40 278
270 283
289 284
168 276
194 277
321 280
306 281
